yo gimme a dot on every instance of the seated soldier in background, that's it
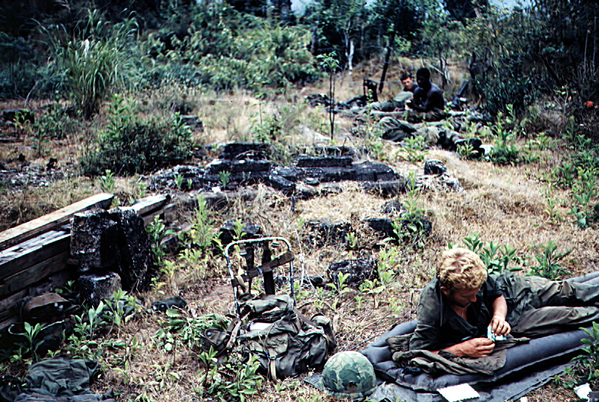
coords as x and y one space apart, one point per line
428 99
398 102
462 305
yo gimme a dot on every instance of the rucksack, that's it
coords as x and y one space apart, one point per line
285 342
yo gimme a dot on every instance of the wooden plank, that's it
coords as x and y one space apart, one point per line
9 311
31 252
33 228
33 274
149 204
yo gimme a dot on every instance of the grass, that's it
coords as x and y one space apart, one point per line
503 204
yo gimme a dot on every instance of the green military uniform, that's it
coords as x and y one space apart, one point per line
536 307
398 130
399 102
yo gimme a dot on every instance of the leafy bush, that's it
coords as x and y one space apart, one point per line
130 145
238 51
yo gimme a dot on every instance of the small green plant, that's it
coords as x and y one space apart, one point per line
351 240
466 150
552 211
586 368
202 234
411 227
225 178
107 182
505 150
158 231
549 262
329 63
32 343
235 380
179 181
415 147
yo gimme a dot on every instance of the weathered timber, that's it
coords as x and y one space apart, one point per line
31 252
33 274
149 204
9 308
33 228
150 207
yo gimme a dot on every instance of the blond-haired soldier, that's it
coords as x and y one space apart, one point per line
459 305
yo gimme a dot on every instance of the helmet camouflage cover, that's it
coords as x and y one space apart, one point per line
349 375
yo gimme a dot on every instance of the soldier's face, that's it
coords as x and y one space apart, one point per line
407 83
461 297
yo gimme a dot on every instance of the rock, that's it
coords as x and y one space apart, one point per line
227 232
381 225
368 171
324 161
95 288
392 207
289 173
93 241
51 164
282 184
359 271
330 189
386 189
238 166
328 174
330 150
324 232
385 226
303 192
433 166
246 150
18 115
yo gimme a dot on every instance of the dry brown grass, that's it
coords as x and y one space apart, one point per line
505 205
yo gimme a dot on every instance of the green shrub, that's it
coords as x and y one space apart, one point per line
130 145
240 51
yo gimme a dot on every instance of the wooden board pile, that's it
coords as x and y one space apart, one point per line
35 256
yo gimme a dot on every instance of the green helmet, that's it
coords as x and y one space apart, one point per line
349 375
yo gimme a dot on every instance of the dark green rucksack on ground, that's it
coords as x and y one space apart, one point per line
286 342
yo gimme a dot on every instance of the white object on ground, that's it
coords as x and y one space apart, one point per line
458 393
583 391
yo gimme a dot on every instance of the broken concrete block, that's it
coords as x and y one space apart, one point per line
282 184
392 207
368 171
113 241
93 241
95 288
433 166
385 189
324 161
227 232
359 271
245 149
322 233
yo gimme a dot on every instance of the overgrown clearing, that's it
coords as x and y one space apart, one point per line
531 204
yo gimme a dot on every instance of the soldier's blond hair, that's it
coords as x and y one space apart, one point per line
461 269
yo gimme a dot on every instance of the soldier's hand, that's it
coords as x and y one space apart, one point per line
500 326
477 347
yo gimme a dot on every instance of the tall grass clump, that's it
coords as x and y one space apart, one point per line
94 61
132 145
